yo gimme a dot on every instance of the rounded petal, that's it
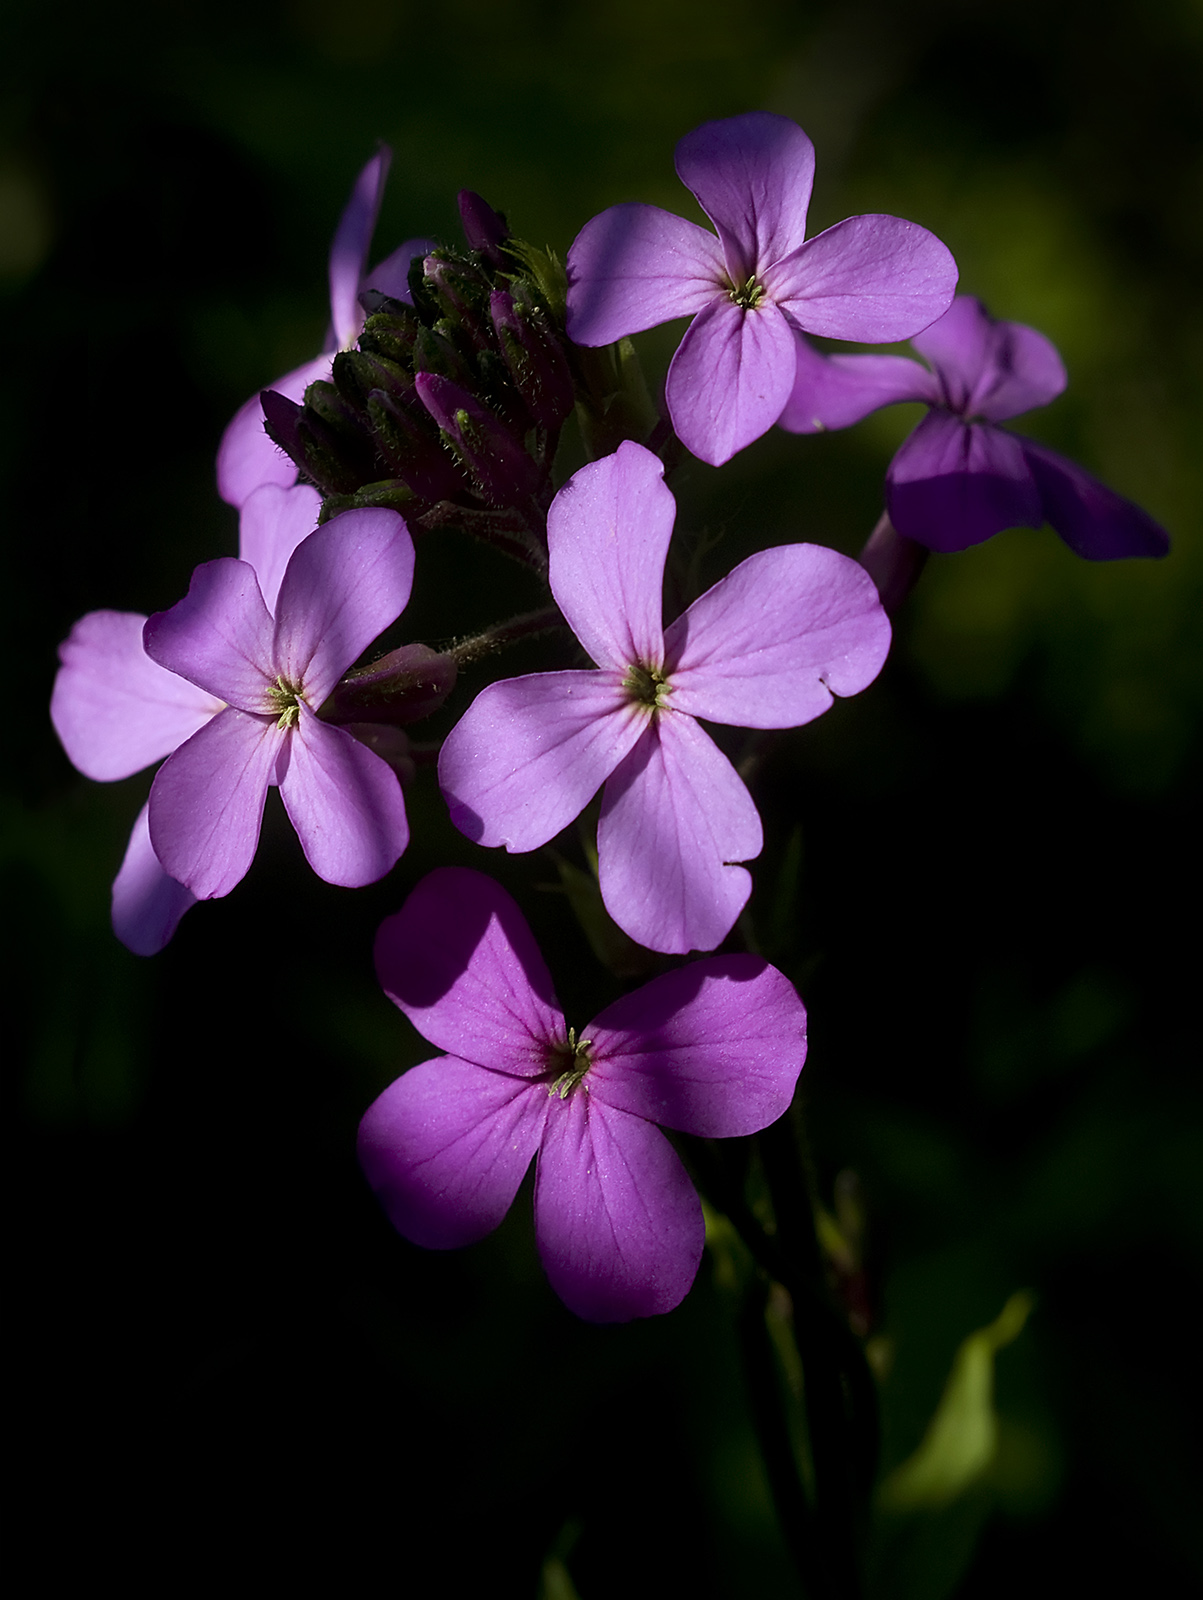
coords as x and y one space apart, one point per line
608 532
675 817
349 250
752 176
530 753
713 1049
461 962
344 802
635 266
247 457
874 279
990 369
954 483
391 276
618 1223
730 378
1094 521
147 904
446 1147
113 708
836 391
343 586
219 636
272 525
206 803
770 644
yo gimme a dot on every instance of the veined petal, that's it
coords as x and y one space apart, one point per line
730 378
343 586
147 904
990 369
635 266
873 279
530 753
113 708
206 803
1094 521
349 250
836 391
344 802
752 176
246 457
618 1223
954 483
713 1049
769 645
391 276
219 636
675 817
446 1146
272 525
608 532
461 962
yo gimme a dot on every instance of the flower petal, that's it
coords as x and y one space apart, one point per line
954 483
349 250
769 645
113 708
873 278
247 457
391 276
730 378
343 586
272 525
147 904
608 532
219 636
635 266
446 1147
713 1049
206 803
618 1223
752 176
1094 521
674 818
990 369
460 961
530 753
836 391
344 802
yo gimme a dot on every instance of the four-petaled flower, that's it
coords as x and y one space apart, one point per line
341 588
959 478
246 457
753 287
712 1049
767 647
117 711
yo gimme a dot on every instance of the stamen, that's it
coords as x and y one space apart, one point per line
288 702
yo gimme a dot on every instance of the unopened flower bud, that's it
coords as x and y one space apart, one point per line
484 229
403 686
534 357
500 465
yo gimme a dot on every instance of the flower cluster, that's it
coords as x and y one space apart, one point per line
448 377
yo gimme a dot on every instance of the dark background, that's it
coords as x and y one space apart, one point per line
981 872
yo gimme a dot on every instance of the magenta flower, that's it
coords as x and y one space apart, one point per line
246 456
767 647
342 586
713 1049
753 287
959 478
117 711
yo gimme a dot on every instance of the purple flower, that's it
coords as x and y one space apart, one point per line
959 478
246 456
713 1049
117 711
341 587
753 287
767 647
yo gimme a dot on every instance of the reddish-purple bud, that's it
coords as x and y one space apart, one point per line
484 229
403 686
498 462
535 358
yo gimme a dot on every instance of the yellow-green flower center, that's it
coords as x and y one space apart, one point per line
647 686
569 1061
748 294
287 698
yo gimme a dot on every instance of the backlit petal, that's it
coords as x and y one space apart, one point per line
730 378
349 250
272 525
1093 520
344 802
836 391
147 904
219 635
635 266
954 483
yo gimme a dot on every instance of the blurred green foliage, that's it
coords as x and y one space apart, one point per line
976 873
